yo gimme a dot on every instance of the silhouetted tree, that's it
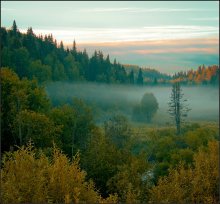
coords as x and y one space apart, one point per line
155 81
14 27
140 78
74 46
177 107
131 77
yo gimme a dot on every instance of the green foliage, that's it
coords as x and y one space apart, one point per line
20 51
149 105
200 136
123 176
129 182
71 67
178 109
117 130
39 71
123 165
140 79
147 108
37 99
84 123
150 76
17 96
77 123
35 126
65 116
40 57
99 160
183 155
165 150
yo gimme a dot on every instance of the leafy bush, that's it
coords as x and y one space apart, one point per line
196 184
117 129
29 176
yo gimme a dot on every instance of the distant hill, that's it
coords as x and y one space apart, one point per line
149 74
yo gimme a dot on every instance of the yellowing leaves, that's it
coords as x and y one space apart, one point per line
29 176
196 184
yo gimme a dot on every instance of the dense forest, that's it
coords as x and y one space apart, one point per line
55 152
42 58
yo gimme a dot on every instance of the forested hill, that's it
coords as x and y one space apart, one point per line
42 58
151 76
205 75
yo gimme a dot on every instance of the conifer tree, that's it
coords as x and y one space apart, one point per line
131 77
14 27
140 78
177 108
74 46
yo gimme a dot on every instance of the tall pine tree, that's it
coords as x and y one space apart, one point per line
140 79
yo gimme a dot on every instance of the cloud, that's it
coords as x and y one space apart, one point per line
156 43
156 53
145 10
150 33
106 10
205 19
7 9
196 50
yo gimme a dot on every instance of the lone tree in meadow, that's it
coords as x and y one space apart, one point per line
178 108
147 108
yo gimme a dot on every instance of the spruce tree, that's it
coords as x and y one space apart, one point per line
140 80
14 27
177 108
131 77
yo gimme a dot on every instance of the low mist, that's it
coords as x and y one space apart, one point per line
106 100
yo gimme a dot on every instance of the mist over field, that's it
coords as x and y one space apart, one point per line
106 100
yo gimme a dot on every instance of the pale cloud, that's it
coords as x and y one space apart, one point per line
205 19
106 10
146 49
150 33
157 43
140 10
196 50
7 9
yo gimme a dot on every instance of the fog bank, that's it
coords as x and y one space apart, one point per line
107 99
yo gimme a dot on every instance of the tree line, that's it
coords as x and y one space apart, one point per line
42 58
205 75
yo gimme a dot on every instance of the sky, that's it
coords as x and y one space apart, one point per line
168 36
